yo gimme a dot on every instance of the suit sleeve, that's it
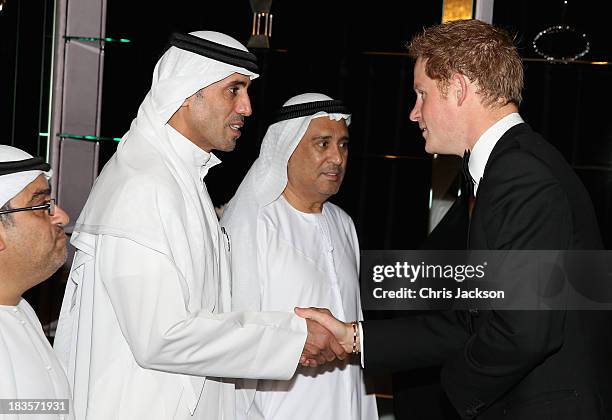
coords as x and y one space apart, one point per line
524 209
424 340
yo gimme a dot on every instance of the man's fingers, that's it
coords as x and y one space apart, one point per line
311 350
323 317
321 355
314 361
320 359
328 355
315 314
337 349
311 363
312 356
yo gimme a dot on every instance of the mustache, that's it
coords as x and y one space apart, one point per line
334 168
237 118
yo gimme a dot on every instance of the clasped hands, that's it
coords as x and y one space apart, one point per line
328 338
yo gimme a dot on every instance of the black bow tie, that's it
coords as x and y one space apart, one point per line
467 177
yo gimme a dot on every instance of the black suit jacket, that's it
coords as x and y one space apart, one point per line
514 364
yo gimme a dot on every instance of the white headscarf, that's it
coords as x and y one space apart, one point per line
262 185
178 74
13 184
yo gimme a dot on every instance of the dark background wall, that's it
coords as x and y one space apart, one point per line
25 63
348 50
355 51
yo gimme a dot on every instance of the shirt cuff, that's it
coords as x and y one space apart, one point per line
361 343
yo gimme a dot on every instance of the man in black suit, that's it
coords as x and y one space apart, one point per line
468 78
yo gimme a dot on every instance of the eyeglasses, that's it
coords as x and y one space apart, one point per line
49 206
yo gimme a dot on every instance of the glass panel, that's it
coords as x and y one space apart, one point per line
91 39
88 138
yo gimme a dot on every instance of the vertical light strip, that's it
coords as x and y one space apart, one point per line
484 10
42 78
457 9
51 93
15 79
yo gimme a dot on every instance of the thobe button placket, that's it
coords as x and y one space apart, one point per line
334 283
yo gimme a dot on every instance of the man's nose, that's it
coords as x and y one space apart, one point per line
244 106
336 155
415 114
60 217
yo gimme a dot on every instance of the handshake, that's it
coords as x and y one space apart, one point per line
328 338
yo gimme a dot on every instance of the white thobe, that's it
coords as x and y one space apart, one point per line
310 259
29 368
142 337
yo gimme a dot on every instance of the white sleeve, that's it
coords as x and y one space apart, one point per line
151 307
361 346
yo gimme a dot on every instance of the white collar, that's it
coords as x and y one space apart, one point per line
197 160
484 145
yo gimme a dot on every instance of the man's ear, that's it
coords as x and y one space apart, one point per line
459 85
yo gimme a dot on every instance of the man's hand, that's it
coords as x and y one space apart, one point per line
341 343
320 346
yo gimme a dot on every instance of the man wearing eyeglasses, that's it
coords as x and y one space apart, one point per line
32 248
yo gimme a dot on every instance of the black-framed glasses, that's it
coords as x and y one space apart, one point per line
48 205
